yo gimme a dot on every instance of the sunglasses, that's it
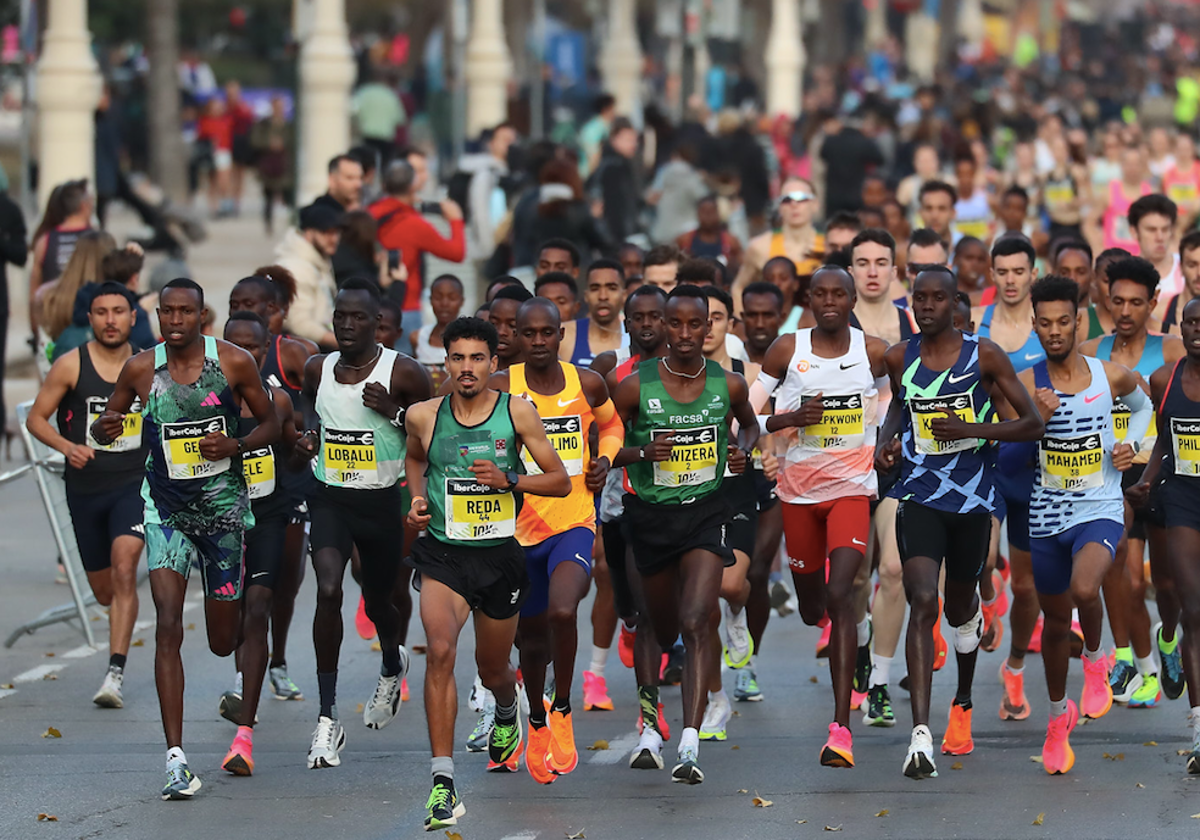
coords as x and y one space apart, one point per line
797 196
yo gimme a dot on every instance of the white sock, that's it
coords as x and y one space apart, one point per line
881 670
863 628
1058 708
689 738
599 659
176 754
1016 672
718 695
1147 665
1093 655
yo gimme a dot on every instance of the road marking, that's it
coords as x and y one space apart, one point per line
524 835
38 673
5 692
80 652
618 749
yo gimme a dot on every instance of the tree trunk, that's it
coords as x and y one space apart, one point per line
168 164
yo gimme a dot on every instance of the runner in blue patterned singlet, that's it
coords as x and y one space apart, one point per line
192 388
604 293
942 384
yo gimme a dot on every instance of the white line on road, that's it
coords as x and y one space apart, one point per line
80 652
38 673
617 750
524 835
4 692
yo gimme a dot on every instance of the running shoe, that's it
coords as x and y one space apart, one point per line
381 709
504 747
822 651
993 627
957 740
443 806
563 756
862 662
479 696
687 771
1193 759
839 749
363 624
477 741
664 728
1000 584
1148 695
781 598
918 763
879 707
940 648
647 755
595 693
282 686
672 670
857 698
1035 638
537 754
1171 659
716 718
739 645
1097 696
230 707
625 641
1014 705
1124 680
1057 755
404 689
182 783
328 740
240 759
109 695
746 688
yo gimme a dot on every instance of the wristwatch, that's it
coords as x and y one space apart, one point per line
511 477
1136 446
241 444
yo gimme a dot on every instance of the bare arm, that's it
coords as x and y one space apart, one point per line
132 383
743 411
554 480
747 274
62 378
418 418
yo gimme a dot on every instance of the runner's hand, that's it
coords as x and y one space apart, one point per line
307 444
1047 402
886 455
378 399
418 514
950 427
486 472
596 474
79 454
736 458
1138 494
215 446
1122 456
108 427
770 466
808 414
659 449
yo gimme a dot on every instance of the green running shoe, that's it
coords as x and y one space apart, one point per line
1148 695
879 707
746 688
687 771
504 746
182 783
1173 679
443 806
282 686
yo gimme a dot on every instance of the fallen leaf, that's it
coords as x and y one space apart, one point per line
1039 819
49 653
1150 744
1196 816
742 790
1036 759
1177 752
376 647
735 747
49 676
10 685
1109 757
882 813
578 835
1119 757
138 643
801 822
1139 784
453 835
736 713
956 765
813 680
599 745
191 626
759 802
360 708
47 818
837 827
51 733
418 648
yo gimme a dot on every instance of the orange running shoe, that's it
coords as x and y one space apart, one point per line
625 645
363 624
1014 705
240 759
595 693
1035 640
839 749
856 700
404 690
940 648
1097 696
1057 755
993 627
958 732
1000 584
563 756
823 642
537 754
664 729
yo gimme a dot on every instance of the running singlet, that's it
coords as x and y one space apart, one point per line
581 353
953 475
973 216
567 417
836 457
183 490
809 264
263 469
117 464
273 372
60 245
462 511
696 467
360 448
1151 360
1025 356
428 354
1116 218
1182 416
1075 480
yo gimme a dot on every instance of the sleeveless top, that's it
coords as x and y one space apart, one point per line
1025 356
1117 233
182 489
696 467
427 354
60 245
953 475
973 216
1179 185
360 448
263 470
1151 360
1075 480
804 266
698 248
902 312
274 374
1182 416
567 417
118 464
462 511
1058 191
836 457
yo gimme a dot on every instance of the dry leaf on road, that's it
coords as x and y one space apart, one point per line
759 802
138 642
453 835
882 813
958 765
418 648
49 677
735 747
1139 784
51 733
1039 819
1037 759
837 827
578 835
10 685
599 745
50 653
801 822
813 680
1150 744
47 818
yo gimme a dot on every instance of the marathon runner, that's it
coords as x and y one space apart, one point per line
192 388
826 410
1170 309
358 396
502 314
562 290
675 519
604 294
942 381
103 482
463 461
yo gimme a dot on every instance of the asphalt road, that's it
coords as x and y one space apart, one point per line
102 778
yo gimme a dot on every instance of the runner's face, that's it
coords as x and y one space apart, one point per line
662 276
605 295
972 263
503 316
786 280
873 271
469 363
933 302
1153 235
646 323
538 335
112 320
1189 264
962 318
839 239
796 214
761 315
556 259
387 331
562 297
1075 264
251 297
249 336
937 211
180 314
1012 212
631 260
687 326
1130 307
355 317
446 300
707 215
831 300
1055 321
1189 328
718 327
1013 275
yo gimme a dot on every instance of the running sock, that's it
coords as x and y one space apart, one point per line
1125 654
648 699
562 705
245 733
1147 665
718 695
690 739
599 660
1168 646
505 715
1195 718
176 754
537 717
965 705
442 765
327 687
881 670
277 663
1058 708
1016 672
863 628
391 662
1093 655
117 660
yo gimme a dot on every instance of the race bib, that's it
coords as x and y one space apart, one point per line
925 410
693 458
978 228
1072 463
1121 230
1060 193
1182 191
1185 443
349 457
566 436
131 430
841 425
1121 414
475 511
258 466
181 449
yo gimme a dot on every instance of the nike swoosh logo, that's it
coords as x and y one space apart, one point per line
954 380
582 559
258 575
1032 357
1092 399
857 541
562 404
847 367
1110 546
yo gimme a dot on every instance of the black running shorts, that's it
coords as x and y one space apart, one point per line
493 580
961 540
661 534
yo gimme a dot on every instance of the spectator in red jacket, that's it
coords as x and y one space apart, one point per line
401 228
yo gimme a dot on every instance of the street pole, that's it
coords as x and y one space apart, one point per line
460 14
537 98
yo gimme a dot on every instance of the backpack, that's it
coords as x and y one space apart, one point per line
457 190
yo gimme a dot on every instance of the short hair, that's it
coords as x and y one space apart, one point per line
936 186
448 278
643 291
1071 245
1011 244
603 102
1018 191
364 156
843 220
786 262
265 284
185 283
961 298
606 263
1137 270
927 238
1153 204
839 258
472 329
698 271
761 287
359 284
1112 254
631 246
337 160
967 242
390 306
835 268
502 280
561 244
552 277
937 268
1189 242
121 266
518 293
620 124
662 255
399 176
72 194
688 290
250 316
1054 287
719 294
112 287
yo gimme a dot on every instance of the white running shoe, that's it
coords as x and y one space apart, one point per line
648 753
328 740
381 709
739 645
716 718
918 764
109 695
478 697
